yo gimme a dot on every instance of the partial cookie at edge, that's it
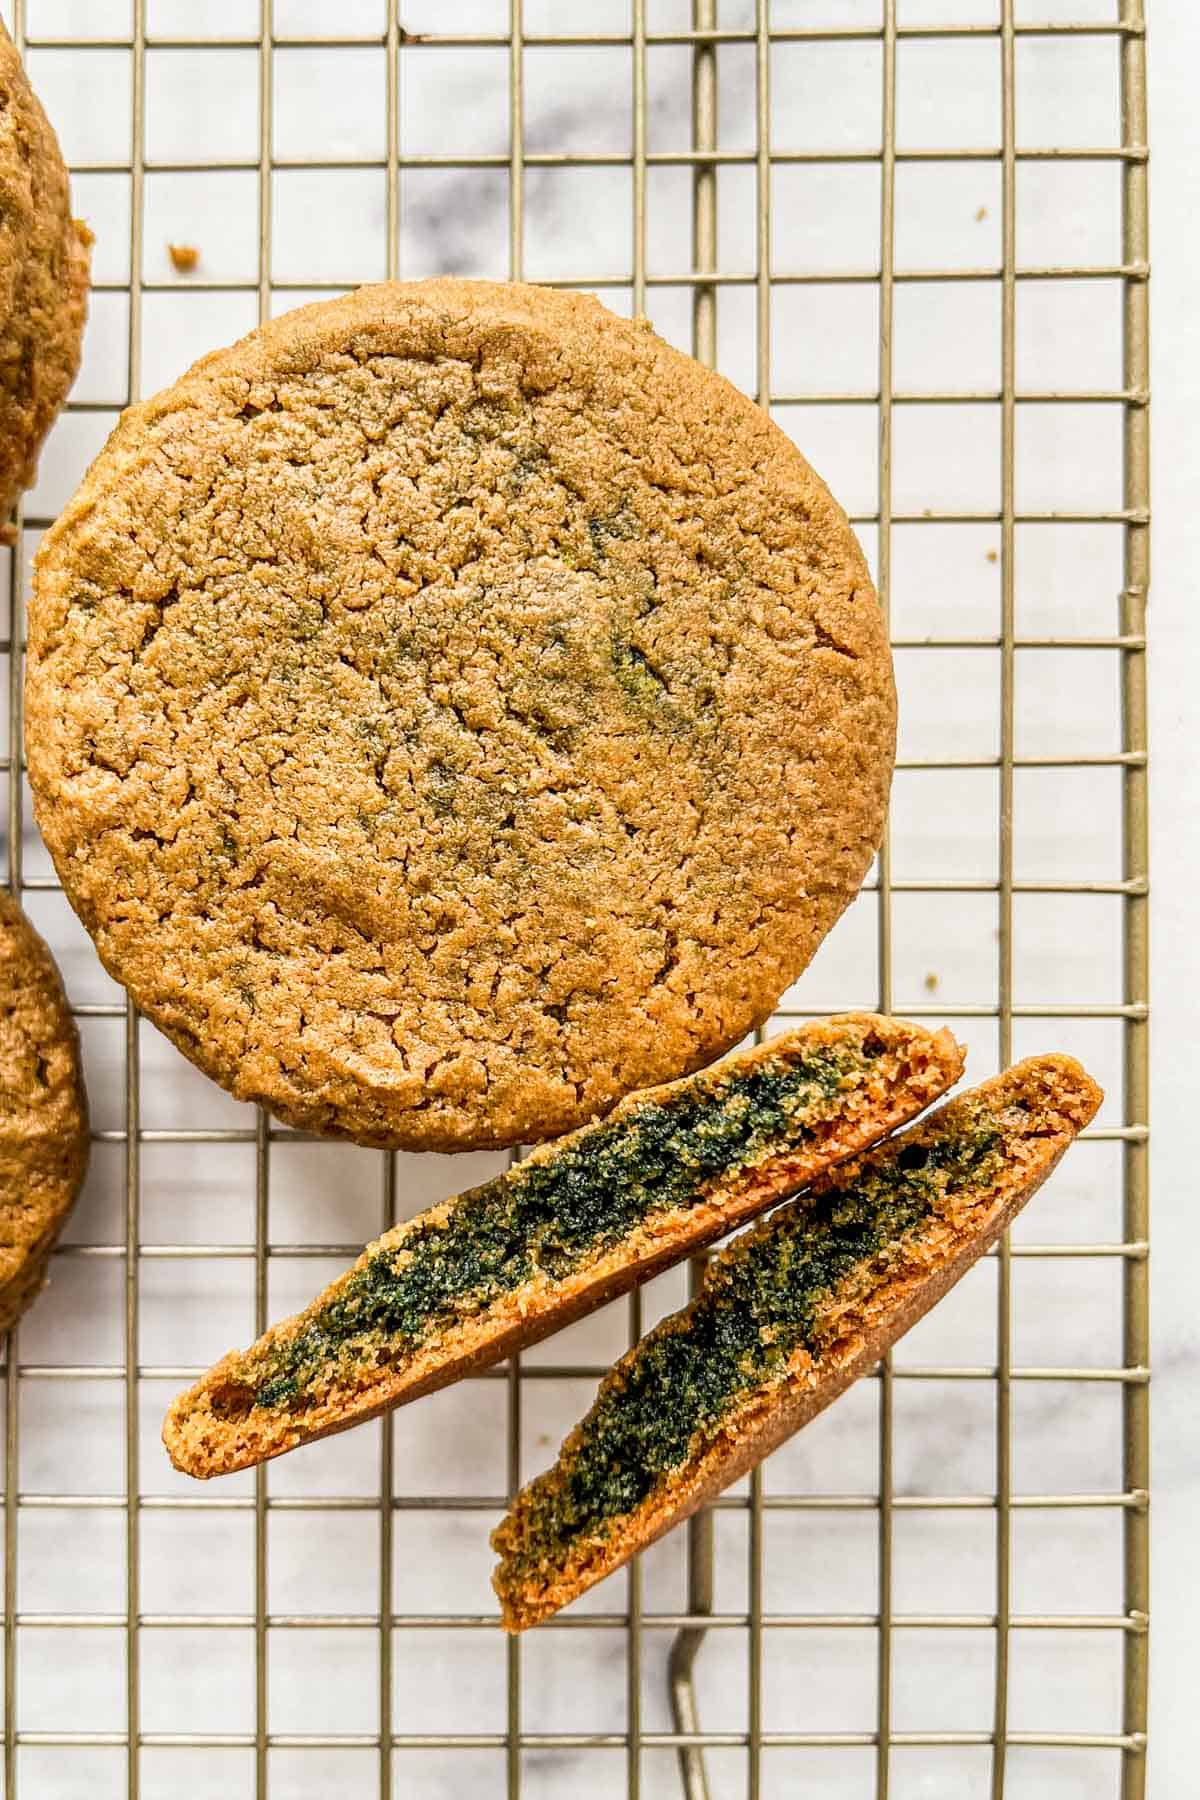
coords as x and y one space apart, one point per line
43 1111
44 258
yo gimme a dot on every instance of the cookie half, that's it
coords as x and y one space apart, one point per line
788 1316
574 1224
451 708
43 1111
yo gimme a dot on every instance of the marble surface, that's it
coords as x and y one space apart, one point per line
329 227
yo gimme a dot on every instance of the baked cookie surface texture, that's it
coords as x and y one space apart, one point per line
43 280
451 708
43 1111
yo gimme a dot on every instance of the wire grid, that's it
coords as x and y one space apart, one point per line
752 1757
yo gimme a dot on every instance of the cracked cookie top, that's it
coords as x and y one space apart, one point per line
450 708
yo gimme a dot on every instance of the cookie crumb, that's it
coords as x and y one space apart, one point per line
993 556
184 256
980 214
932 982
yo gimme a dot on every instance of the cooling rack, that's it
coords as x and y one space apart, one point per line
917 231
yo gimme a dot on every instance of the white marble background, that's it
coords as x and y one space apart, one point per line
329 227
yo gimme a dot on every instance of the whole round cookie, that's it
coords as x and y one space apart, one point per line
450 708
43 280
43 1111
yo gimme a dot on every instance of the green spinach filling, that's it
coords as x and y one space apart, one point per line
554 1217
761 1303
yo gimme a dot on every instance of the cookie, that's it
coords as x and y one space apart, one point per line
43 1111
787 1317
44 256
450 708
576 1223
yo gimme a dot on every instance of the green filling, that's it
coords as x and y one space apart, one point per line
762 1302
640 681
556 1216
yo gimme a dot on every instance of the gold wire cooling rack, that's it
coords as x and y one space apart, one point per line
107 1677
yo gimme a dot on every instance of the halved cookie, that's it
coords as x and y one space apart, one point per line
581 1220
788 1316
